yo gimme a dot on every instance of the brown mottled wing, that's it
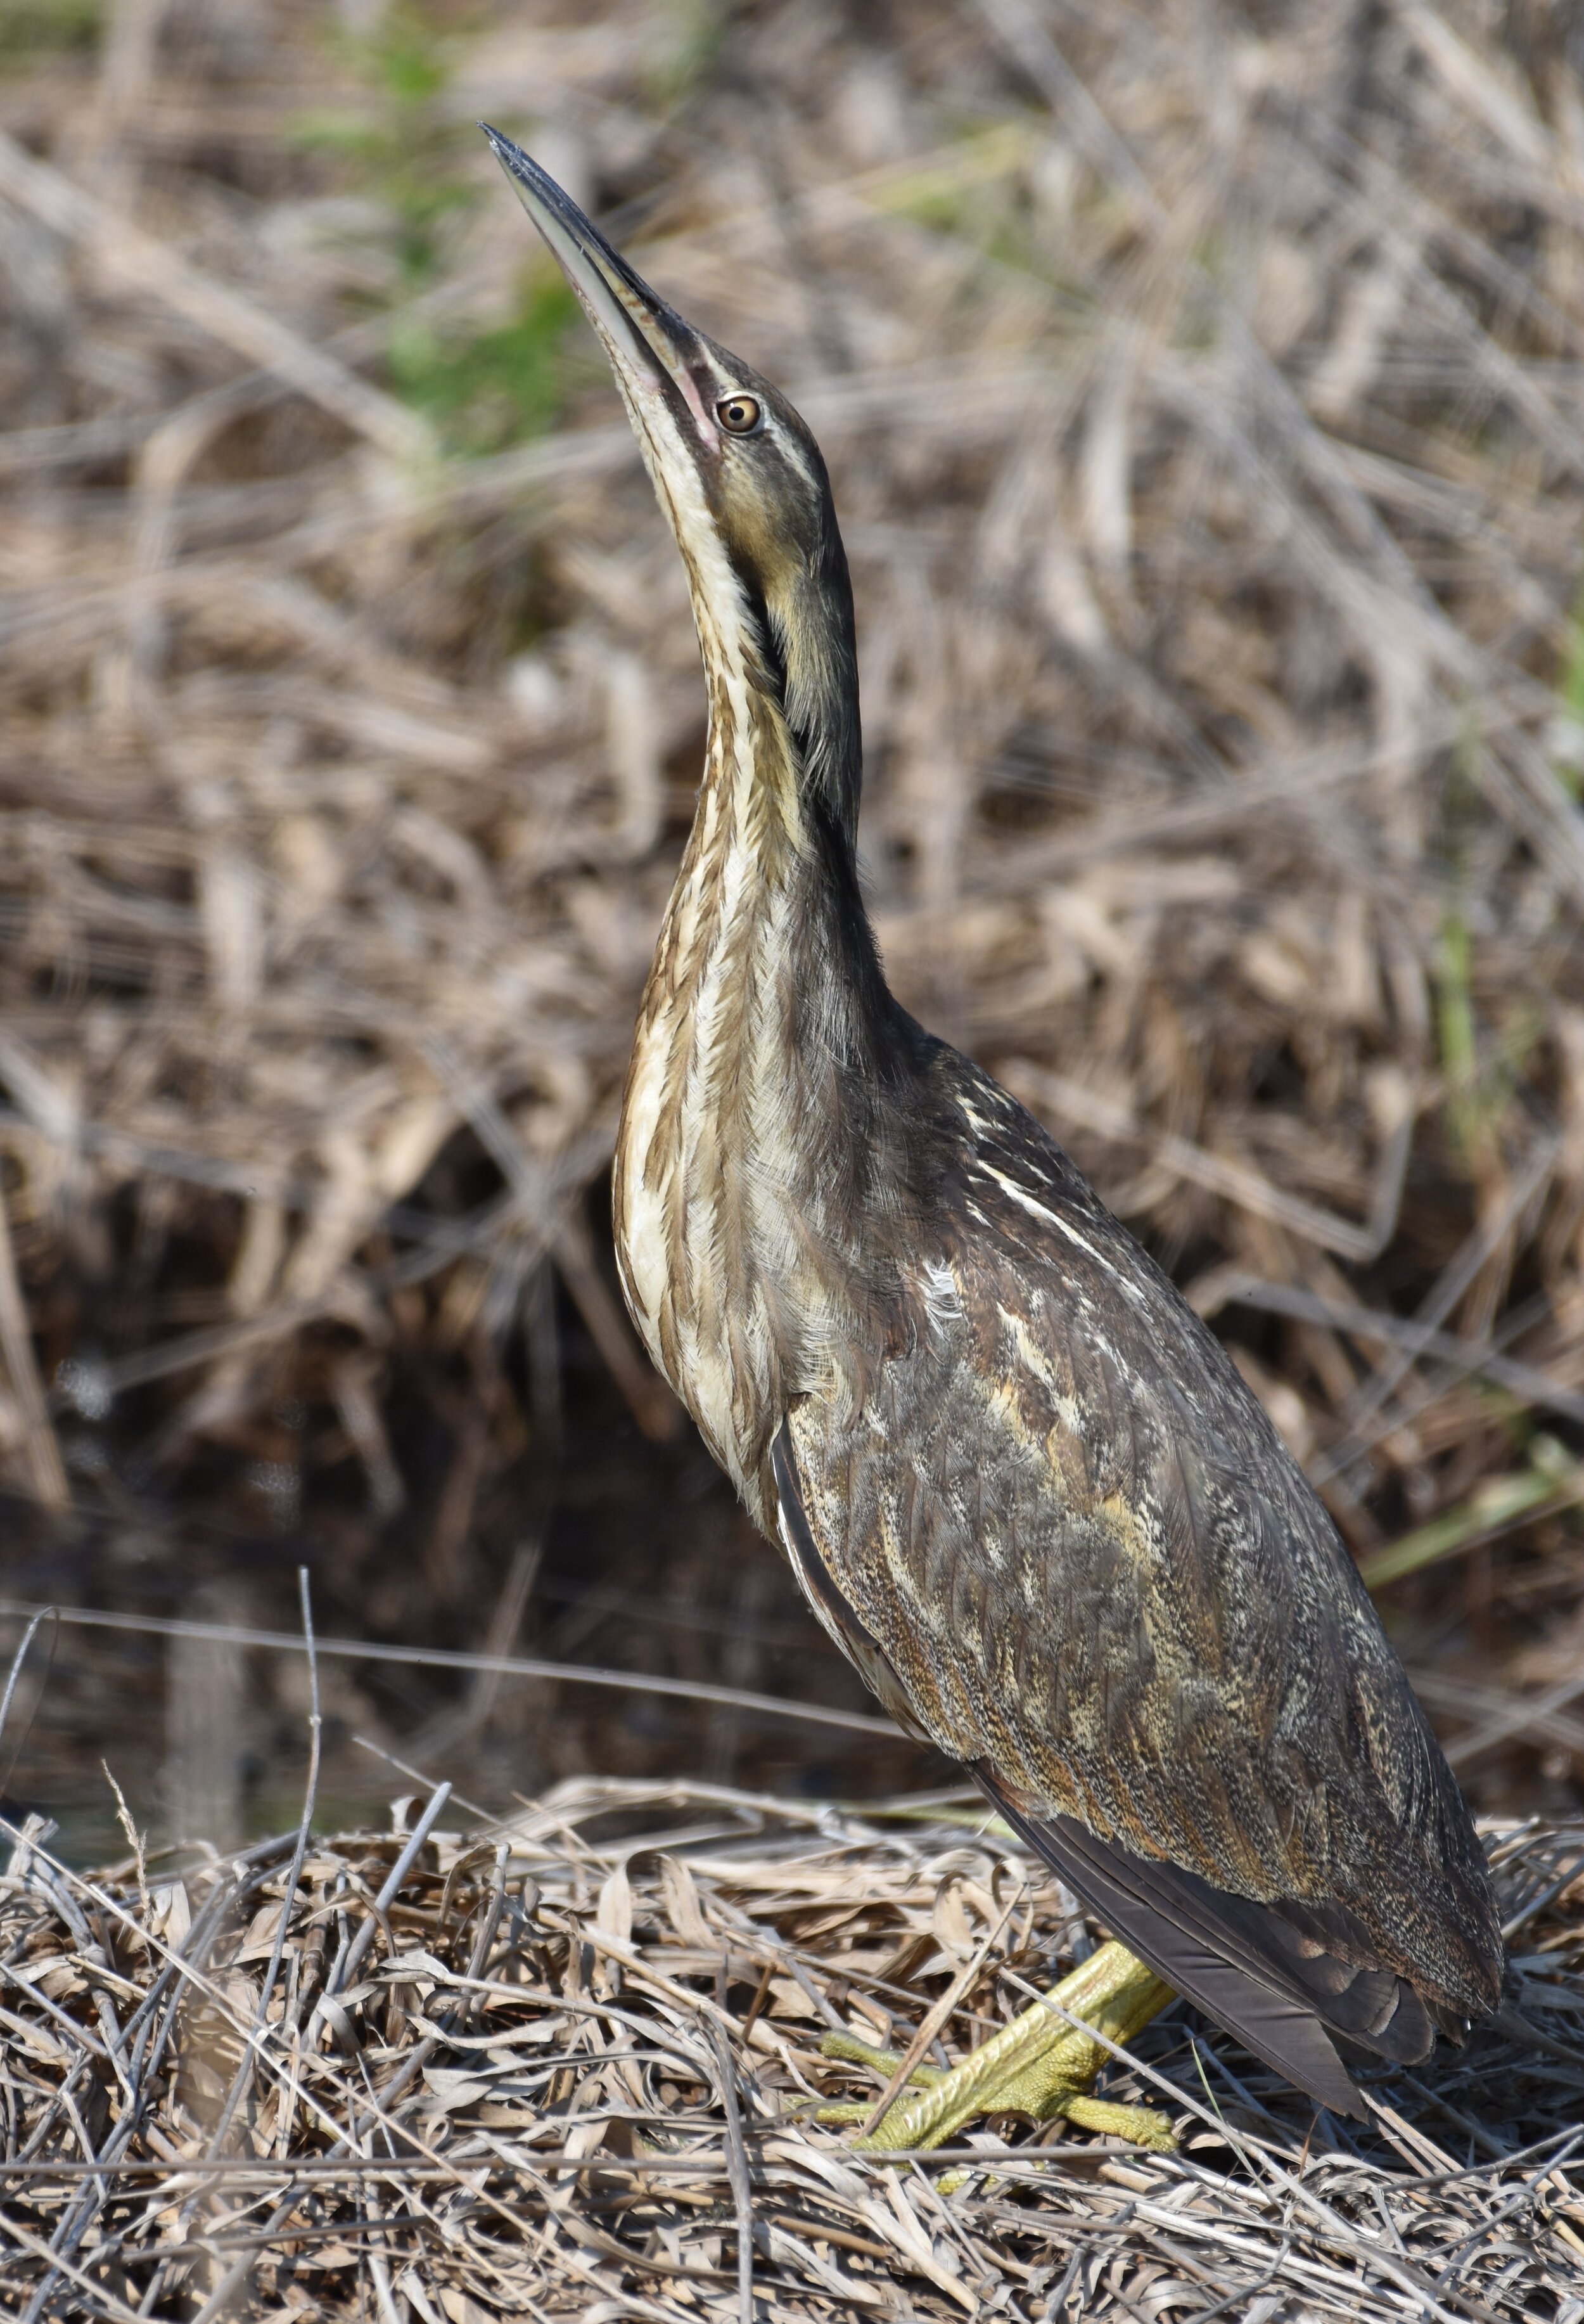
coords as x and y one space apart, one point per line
1064 1532
1169 1917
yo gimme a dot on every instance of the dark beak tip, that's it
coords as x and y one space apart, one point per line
501 145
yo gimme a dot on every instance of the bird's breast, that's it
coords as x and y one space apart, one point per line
712 1219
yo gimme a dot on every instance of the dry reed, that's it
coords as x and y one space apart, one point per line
568 2065
1204 398
1204 395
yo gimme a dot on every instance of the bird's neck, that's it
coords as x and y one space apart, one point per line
742 1167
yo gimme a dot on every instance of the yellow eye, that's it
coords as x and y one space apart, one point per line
738 415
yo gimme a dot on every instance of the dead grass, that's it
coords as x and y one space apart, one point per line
567 2066
1204 397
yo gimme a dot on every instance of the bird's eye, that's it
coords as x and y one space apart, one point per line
738 415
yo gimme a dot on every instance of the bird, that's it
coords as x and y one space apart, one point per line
1021 1484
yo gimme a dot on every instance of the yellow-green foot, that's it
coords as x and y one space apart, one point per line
1038 2065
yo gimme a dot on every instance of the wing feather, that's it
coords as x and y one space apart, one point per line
1052 1524
1288 2034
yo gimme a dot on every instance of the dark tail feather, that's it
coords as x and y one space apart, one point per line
1282 2030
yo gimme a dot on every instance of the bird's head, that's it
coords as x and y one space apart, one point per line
742 482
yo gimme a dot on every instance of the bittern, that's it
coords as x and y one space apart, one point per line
1022 1485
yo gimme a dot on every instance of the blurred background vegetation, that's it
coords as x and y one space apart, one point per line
1204 390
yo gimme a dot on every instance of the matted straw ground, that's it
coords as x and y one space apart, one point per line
568 2065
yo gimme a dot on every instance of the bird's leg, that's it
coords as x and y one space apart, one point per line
1038 2065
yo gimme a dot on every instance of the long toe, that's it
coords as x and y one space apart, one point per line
1041 2065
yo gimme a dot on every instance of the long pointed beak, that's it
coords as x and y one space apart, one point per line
652 351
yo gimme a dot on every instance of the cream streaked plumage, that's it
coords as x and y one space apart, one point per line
1019 1481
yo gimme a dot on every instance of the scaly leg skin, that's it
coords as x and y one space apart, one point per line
1038 2065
